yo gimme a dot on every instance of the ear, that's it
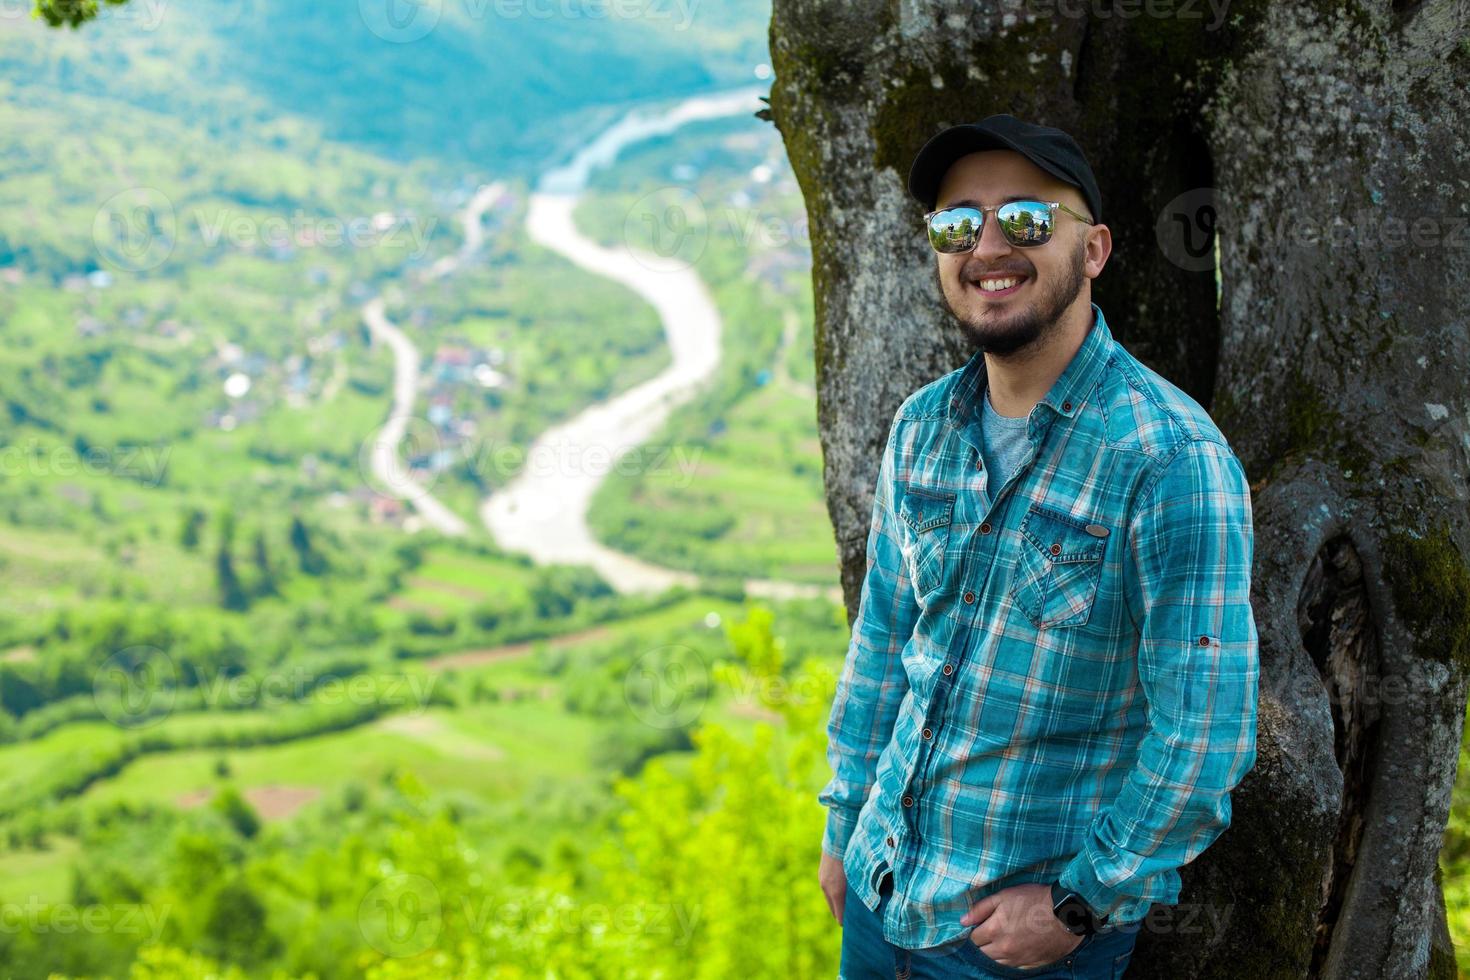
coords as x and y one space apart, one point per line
1099 245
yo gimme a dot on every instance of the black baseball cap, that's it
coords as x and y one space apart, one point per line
1050 149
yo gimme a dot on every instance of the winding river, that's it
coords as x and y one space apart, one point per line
542 511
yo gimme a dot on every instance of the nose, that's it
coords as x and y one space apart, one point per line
992 244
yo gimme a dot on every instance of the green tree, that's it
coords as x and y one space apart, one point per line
265 582
72 13
308 559
236 926
192 524
240 815
231 594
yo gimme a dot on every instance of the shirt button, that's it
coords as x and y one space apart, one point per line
979 465
928 733
890 842
1204 641
948 669
969 597
1066 406
908 800
1056 549
985 528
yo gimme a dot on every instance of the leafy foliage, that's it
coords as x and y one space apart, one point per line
72 13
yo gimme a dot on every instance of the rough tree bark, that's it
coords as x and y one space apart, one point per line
1337 367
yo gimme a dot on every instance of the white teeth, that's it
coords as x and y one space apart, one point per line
992 285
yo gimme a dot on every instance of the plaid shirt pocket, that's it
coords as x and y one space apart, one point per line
1058 568
927 514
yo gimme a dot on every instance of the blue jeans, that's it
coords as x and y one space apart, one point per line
866 955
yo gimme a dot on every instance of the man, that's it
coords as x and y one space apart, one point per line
1051 687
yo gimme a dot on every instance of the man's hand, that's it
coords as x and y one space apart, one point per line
1018 928
834 884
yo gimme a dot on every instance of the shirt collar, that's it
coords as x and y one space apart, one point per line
1067 393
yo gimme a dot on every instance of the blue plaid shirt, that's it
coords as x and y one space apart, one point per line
1056 678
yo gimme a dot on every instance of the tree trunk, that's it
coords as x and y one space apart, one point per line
1337 366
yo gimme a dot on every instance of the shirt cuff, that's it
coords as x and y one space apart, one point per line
1104 900
841 822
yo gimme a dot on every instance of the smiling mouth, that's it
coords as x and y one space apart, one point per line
997 287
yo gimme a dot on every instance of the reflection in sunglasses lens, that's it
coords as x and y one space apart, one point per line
954 229
1026 222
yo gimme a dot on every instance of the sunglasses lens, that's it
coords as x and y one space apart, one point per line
955 229
1026 223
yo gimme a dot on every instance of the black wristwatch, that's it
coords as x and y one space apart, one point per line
1074 913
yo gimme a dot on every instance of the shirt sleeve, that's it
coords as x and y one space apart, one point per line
873 682
1191 541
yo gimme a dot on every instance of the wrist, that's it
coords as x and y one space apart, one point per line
1080 877
1072 910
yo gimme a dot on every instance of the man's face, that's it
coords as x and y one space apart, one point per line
1051 275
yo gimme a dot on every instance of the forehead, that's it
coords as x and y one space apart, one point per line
992 176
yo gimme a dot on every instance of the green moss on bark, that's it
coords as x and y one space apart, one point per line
915 108
1431 589
1442 964
1278 912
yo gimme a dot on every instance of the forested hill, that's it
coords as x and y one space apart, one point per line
488 83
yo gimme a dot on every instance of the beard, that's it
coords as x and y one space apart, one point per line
1005 333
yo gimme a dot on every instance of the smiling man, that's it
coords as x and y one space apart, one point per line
1051 688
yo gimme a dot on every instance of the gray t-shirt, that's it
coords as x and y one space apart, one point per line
1005 448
